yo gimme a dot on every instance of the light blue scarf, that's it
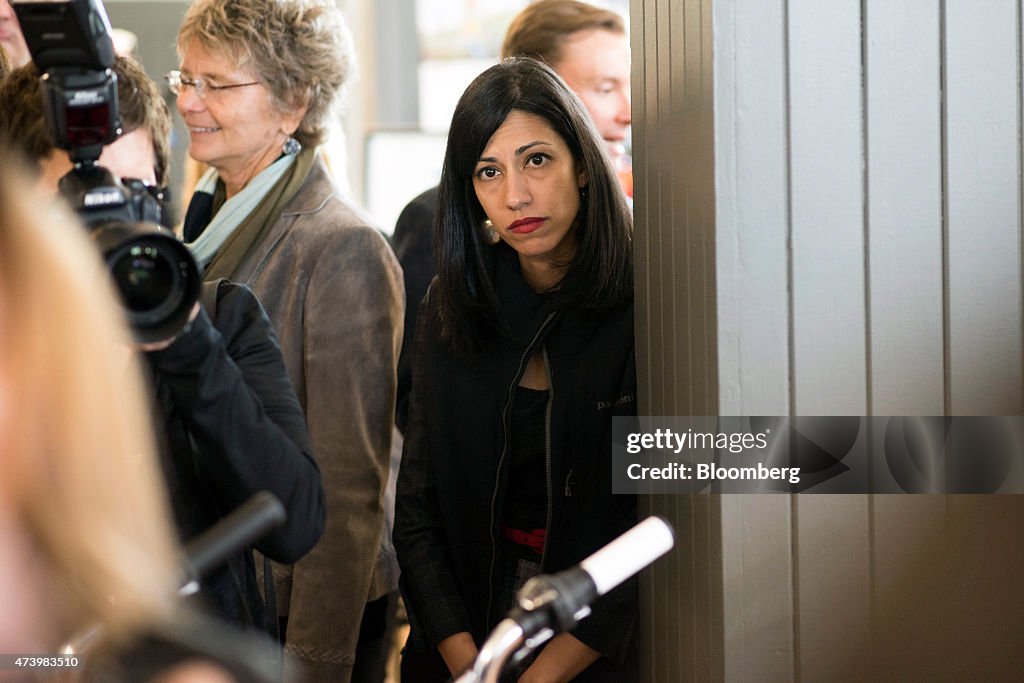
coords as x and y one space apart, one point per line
235 210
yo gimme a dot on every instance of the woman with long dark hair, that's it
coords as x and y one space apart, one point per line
524 354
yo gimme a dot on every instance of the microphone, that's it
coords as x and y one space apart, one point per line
550 604
629 553
243 526
562 600
246 524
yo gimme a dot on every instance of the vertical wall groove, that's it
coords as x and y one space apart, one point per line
947 395
790 317
652 614
1020 160
794 535
791 339
868 346
678 180
666 257
866 207
709 253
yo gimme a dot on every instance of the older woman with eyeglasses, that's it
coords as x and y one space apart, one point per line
257 82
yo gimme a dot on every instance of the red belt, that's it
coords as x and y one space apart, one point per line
533 540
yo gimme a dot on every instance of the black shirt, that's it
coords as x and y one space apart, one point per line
526 497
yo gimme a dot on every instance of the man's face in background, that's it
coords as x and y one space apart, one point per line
130 156
595 64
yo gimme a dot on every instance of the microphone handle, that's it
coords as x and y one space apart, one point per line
549 604
242 527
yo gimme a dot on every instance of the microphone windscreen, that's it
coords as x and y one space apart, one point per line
629 553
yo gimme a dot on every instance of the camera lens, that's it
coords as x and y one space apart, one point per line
144 277
154 273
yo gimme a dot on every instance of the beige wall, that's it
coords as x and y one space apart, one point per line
828 208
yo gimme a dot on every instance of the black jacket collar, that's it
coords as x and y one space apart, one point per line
523 310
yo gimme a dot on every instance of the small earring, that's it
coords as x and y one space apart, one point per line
583 193
291 146
492 234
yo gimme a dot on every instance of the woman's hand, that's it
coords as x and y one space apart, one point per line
562 660
459 652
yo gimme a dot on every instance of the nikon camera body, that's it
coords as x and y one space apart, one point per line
156 276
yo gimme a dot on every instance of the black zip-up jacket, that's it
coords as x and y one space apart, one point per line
232 427
451 482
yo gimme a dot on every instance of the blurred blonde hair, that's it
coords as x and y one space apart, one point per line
77 460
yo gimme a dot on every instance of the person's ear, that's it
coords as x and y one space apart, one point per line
582 178
290 121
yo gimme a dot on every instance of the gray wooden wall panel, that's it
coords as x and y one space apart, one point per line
663 616
752 181
867 260
692 93
984 561
831 557
680 629
670 259
644 86
910 574
983 208
676 316
904 205
829 318
752 220
827 207
757 588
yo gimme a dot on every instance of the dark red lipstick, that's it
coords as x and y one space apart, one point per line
526 225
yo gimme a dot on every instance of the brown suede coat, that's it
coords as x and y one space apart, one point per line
333 289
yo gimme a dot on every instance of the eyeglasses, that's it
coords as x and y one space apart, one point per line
178 83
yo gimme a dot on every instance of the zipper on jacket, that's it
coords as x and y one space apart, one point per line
501 460
547 454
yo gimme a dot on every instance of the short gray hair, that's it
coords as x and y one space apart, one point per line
301 49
